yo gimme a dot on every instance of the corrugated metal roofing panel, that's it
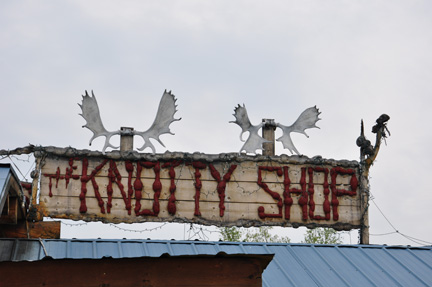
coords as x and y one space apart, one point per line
86 248
26 250
132 248
157 248
108 249
178 249
396 269
204 248
410 263
5 174
367 267
293 264
318 268
423 256
6 249
287 267
8 178
344 266
57 249
230 248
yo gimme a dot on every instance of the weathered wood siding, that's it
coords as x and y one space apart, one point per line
228 271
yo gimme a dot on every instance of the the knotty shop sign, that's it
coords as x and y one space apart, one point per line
223 190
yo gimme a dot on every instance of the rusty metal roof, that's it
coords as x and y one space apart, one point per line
293 264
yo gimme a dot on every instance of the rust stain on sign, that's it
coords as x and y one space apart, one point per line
223 190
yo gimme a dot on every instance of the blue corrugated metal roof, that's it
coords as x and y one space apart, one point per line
293 264
5 174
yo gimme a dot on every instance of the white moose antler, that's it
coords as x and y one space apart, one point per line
164 117
90 112
306 120
254 141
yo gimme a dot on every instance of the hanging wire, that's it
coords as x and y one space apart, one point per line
200 232
140 230
30 169
14 158
73 224
383 234
12 161
385 217
413 239
118 227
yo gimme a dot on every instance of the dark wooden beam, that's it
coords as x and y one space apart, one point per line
39 229
10 215
235 270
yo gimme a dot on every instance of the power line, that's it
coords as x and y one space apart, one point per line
413 239
379 209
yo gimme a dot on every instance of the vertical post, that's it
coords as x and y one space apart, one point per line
364 194
364 200
126 139
268 133
371 152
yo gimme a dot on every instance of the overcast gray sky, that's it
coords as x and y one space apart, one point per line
352 59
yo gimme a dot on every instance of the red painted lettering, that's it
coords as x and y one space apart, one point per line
172 199
340 192
311 190
221 185
274 195
86 178
197 165
157 188
288 201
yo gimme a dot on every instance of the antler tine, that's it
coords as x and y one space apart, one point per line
164 117
307 119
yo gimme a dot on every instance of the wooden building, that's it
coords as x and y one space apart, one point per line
99 262
32 254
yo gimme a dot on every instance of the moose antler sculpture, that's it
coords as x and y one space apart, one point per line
164 117
306 120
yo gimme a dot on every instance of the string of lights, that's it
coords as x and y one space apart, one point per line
138 230
73 224
193 231
118 227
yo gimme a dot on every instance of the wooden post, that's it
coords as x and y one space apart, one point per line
364 198
366 160
126 139
364 195
268 133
